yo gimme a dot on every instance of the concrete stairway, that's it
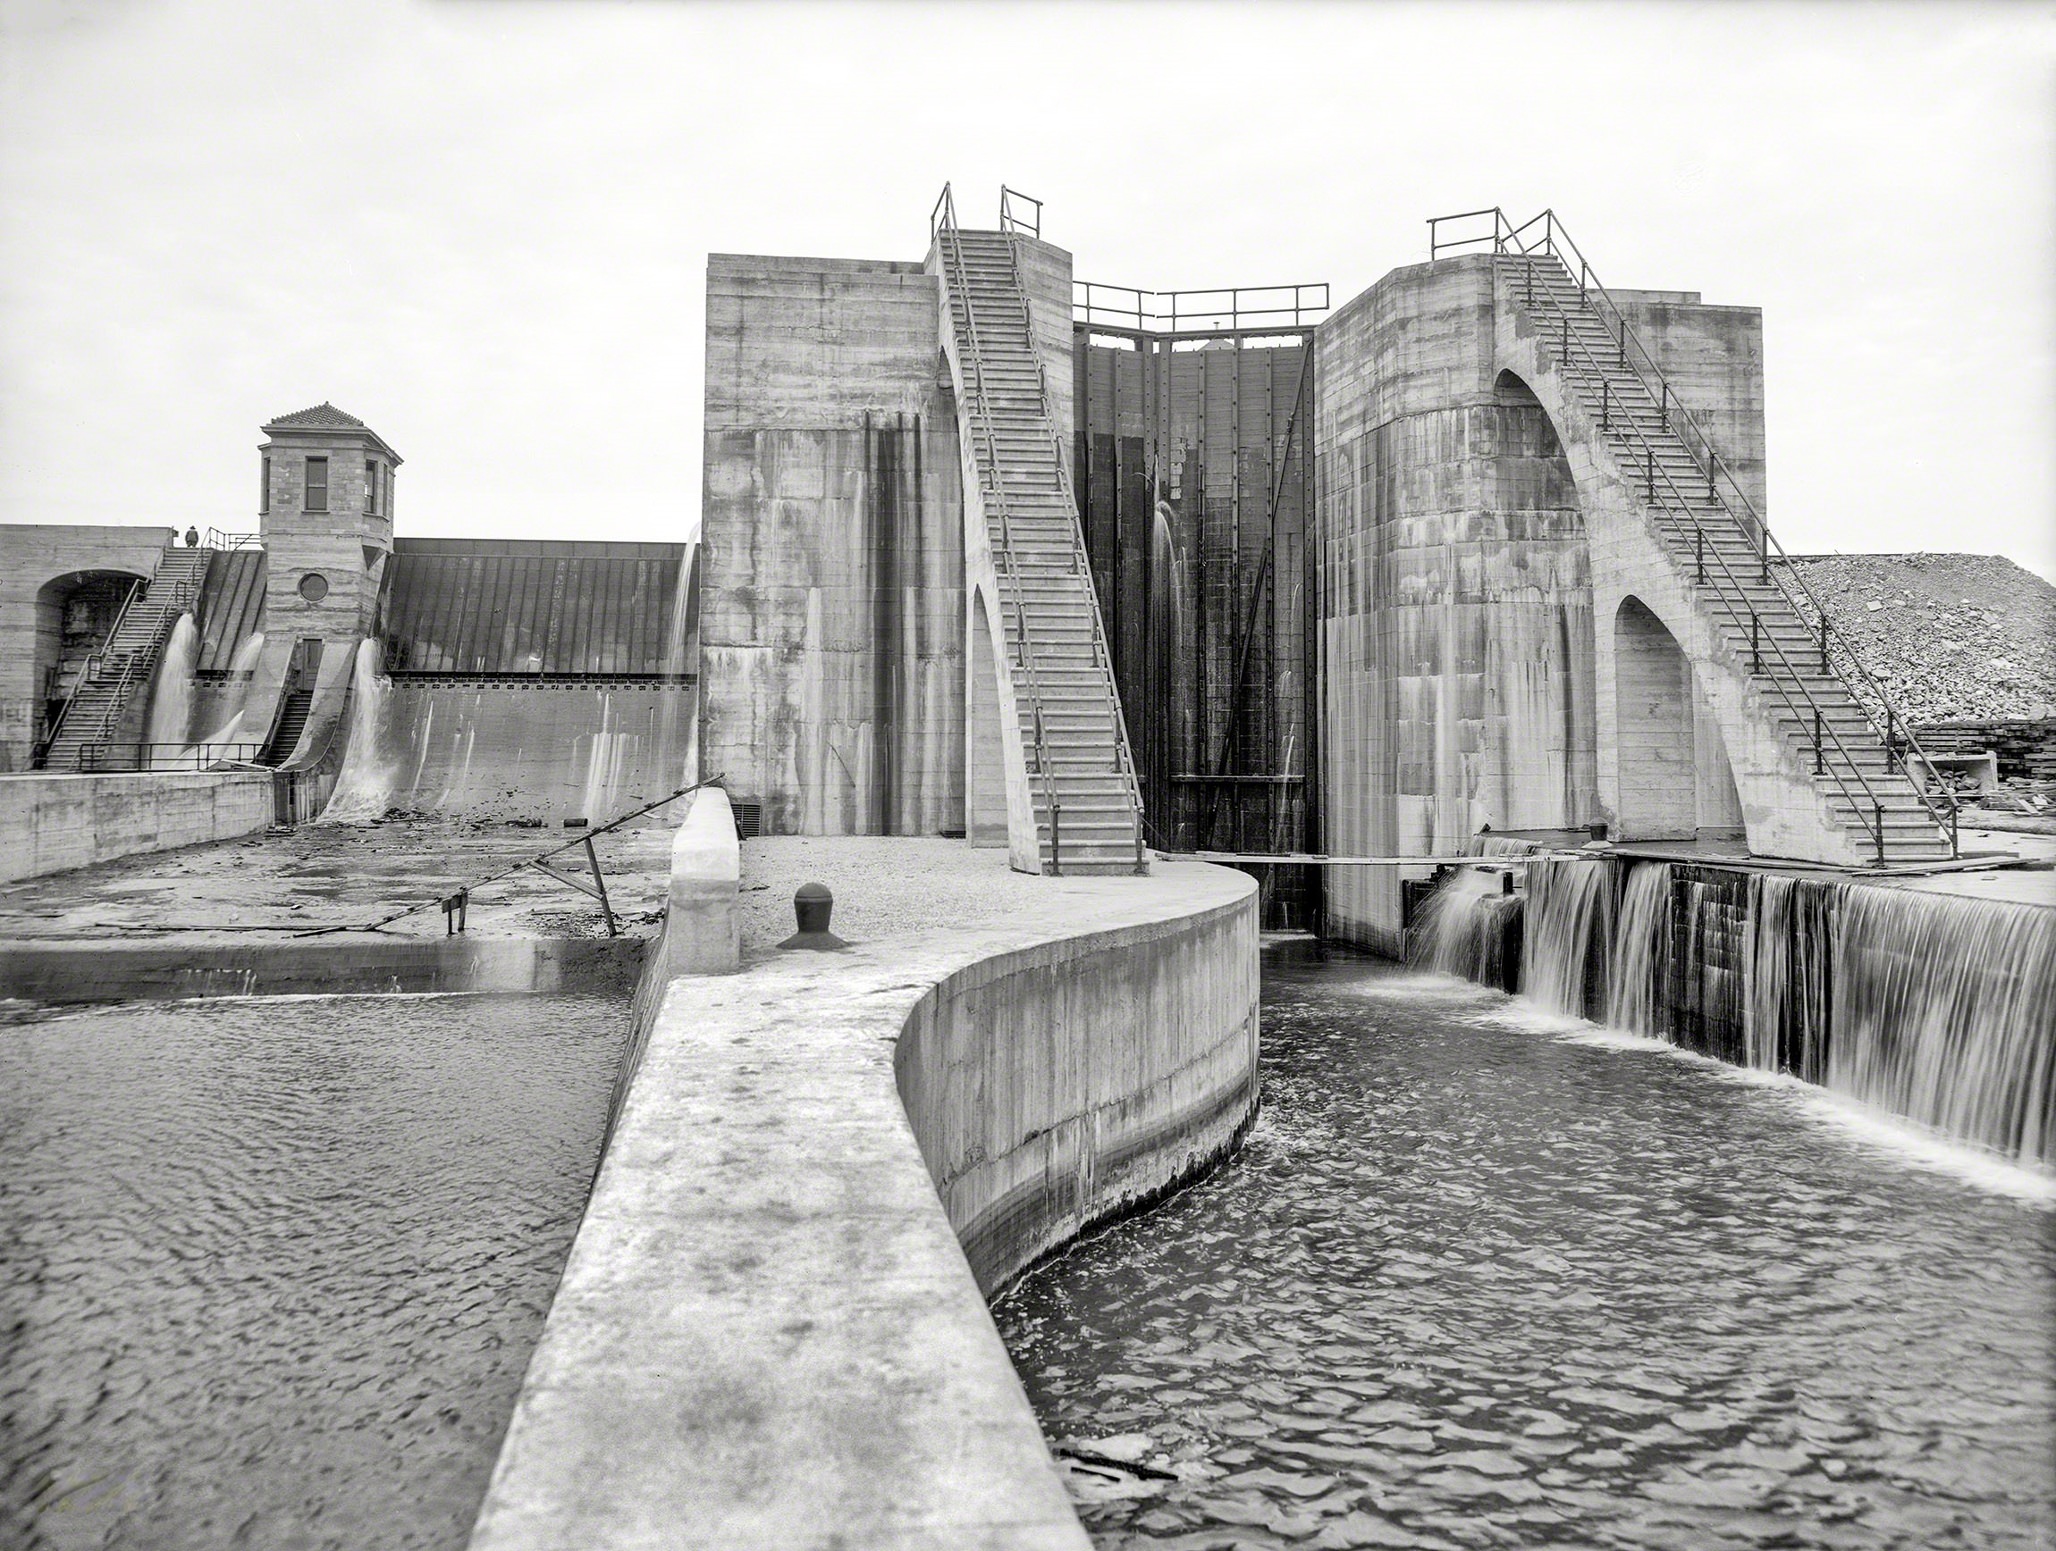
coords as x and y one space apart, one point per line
122 669
1723 551
1072 732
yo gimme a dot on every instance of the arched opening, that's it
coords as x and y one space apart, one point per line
1674 776
75 614
985 780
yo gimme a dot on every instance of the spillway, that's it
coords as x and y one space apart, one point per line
1937 1007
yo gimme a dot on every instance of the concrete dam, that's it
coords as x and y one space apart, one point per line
1347 836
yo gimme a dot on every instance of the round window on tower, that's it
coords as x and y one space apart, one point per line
313 586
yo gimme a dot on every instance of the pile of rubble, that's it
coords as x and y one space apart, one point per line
1950 637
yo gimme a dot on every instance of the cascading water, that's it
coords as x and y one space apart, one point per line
1640 952
1940 1008
678 722
229 709
171 704
1944 1010
1568 932
1464 926
363 788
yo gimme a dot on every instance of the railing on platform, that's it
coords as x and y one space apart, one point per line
1019 215
102 755
221 538
1543 238
1245 309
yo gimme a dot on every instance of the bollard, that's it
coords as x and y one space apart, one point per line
812 906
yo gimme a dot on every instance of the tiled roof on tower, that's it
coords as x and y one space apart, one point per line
323 416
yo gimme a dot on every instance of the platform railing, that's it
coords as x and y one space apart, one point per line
1224 309
1019 215
1550 243
118 755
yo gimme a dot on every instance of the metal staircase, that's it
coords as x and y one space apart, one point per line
1741 577
121 669
1081 772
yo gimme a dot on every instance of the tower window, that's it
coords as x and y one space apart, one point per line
371 487
317 484
264 486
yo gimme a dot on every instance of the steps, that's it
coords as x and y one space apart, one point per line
292 721
122 669
1072 731
1722 551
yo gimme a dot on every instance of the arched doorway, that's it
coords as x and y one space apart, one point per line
1674 776
75 614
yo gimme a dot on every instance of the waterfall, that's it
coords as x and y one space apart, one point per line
1463 927
1640 955
228 710
678 722
171 705
1944 1010
1568 932
363 787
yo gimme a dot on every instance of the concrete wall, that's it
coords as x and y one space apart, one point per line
37 560
547 751
1454 603
832 605
1713 360
55 822
768 1333
86 972
1049 1086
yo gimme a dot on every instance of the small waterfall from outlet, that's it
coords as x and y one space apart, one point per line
228 712
1944 1010
1465 926
678 728
364 785
1639 960
171 704
1567 934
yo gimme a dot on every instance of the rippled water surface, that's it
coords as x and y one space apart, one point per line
1475 1282
271 1271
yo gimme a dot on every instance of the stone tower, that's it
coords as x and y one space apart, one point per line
326 514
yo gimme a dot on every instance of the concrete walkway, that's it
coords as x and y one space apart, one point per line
767 1335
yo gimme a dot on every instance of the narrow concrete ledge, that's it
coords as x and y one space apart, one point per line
769 1333
702 926
53 823
84 972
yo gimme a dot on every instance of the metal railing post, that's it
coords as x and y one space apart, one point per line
1056 840
1755 648
1820 752
1605 405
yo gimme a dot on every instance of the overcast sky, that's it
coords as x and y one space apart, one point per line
482 227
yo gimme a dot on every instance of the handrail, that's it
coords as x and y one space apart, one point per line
221 538
1102 654
88 670
199 755
949 248
1258 307
1824 731
1031 225
1555 242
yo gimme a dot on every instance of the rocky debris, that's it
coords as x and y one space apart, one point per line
1950 637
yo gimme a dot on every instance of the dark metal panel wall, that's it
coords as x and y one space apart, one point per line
499 607
231 606
1196 488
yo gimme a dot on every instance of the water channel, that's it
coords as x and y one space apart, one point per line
271 1270
1487 1276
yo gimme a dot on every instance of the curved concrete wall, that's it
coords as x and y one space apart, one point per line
771 1331
1051 1086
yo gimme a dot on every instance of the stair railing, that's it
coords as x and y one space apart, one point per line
1734 597
1555 242
140 658
948 240
1124 757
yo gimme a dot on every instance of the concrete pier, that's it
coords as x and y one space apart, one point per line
772 1329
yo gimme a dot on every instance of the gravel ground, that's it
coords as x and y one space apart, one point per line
884 886
1952 637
